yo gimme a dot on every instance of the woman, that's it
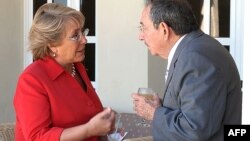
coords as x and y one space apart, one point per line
54 98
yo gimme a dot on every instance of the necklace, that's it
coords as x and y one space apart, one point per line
73 72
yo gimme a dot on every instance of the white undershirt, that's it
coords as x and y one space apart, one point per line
171 55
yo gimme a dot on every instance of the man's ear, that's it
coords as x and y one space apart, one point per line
165 29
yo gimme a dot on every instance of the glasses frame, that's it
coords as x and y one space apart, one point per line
141 28
79 36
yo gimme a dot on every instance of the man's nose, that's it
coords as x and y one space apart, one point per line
141 36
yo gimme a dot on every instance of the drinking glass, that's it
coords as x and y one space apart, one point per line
119 133
148 93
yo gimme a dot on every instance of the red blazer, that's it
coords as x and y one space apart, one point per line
48 99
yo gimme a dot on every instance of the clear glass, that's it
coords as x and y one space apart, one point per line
90 59
219 16
88 8
37 4
64 2
148 94
119 133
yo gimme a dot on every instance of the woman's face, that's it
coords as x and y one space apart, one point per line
72 45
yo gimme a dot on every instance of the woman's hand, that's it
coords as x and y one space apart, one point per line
102 123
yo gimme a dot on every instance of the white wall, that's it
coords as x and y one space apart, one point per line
11 25
122 58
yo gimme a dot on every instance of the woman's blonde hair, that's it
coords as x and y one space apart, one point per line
48 27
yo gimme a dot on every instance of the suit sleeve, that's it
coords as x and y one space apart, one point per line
33 110
194 102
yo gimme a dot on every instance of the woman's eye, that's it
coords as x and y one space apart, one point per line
75 36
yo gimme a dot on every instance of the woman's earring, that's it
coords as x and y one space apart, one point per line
54 54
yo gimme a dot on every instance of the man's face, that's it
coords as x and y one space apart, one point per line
151 36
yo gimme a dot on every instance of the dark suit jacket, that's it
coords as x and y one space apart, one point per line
203 92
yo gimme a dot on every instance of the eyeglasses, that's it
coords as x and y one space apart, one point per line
141 28
79 35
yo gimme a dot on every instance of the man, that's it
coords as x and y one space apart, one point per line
203 89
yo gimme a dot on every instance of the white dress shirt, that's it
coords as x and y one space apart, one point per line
171 55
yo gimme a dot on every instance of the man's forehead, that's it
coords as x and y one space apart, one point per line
145 17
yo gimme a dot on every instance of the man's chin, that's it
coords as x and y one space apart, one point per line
153 53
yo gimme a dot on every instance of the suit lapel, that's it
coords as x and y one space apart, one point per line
179 49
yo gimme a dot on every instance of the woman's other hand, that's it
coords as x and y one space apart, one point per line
102 123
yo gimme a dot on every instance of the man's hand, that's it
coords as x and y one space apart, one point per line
145 107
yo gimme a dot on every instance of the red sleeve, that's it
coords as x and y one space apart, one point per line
33 111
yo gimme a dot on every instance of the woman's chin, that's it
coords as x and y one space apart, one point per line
80 58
